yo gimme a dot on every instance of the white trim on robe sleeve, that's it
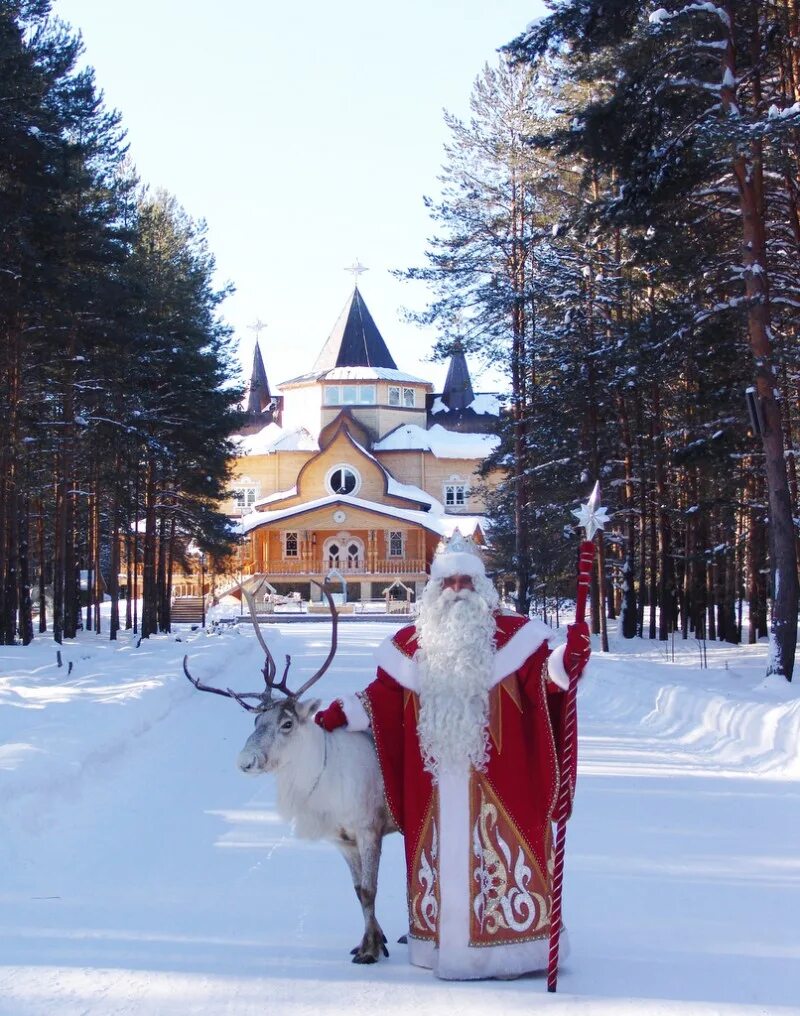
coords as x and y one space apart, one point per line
555 668
357 715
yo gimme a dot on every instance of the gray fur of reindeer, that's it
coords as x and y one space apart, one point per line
329 784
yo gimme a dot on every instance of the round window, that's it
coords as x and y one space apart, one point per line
343 480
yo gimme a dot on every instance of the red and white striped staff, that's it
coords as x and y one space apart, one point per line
592 518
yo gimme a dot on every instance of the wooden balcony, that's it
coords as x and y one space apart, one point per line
398 566
393 566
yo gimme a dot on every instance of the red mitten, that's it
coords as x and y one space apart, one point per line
332 717
577 650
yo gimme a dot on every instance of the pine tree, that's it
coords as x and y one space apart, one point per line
182 348
683 133
109 328
483 266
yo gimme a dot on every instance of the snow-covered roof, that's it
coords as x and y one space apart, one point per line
370 373
485 404
444 444
394 487
435 521
279 495
297 440
397 489
275 439
428 520
358 374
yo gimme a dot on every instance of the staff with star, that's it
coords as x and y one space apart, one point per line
591 517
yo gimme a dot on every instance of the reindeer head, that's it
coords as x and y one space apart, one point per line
280 735
278 720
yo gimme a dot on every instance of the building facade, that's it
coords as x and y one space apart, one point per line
356 470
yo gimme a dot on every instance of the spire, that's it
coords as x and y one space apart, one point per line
258 397
355 340
457 393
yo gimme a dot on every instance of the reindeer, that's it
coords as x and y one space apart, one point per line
329 784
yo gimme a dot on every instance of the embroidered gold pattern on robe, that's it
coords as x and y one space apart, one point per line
510 901
413 698
509 686
423 895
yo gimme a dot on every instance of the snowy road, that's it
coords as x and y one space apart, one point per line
142 874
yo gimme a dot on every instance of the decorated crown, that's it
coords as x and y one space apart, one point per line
457 556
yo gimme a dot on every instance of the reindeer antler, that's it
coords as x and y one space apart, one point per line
227 693
270 668
334 641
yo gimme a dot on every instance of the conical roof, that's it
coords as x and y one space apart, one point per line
355 340
258 395
457 392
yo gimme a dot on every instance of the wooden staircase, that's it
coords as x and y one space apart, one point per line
187 610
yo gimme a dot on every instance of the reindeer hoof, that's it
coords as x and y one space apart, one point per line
403 940
364 958
370 949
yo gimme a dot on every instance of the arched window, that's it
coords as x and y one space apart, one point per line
353 555
456 493
343 553
343 479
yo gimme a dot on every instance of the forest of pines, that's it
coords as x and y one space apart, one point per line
109 332
619 225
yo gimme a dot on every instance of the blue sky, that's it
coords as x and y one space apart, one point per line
306 136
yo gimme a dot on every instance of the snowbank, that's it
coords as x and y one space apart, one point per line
143 874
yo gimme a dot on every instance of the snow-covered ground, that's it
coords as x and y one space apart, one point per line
141 873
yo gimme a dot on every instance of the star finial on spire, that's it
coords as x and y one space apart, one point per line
258 326
356 269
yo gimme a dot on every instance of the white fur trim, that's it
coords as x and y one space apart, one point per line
511 657
454 855
518 649
457 562
491 961
357 715
555 668
397 664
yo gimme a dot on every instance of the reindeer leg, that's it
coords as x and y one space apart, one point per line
374 940
351 854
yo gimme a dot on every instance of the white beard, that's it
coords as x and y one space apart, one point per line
456 653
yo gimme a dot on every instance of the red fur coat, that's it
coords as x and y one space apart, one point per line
478 844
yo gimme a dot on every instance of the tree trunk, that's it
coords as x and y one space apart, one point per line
114 563
149 593
24 597
42 569
628 623
749 175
